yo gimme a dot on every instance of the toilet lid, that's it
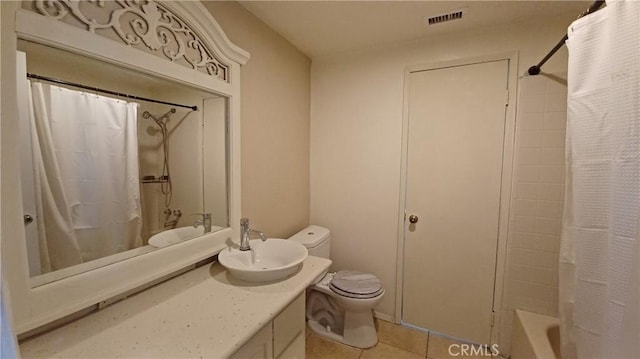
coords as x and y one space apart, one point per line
355 284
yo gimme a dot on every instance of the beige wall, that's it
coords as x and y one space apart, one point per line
275 123
356 134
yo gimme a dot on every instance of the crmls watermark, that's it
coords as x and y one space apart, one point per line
463 350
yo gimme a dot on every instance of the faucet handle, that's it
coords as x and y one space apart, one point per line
244 222
262 236
203 214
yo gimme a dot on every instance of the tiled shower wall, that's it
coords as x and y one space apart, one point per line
537 201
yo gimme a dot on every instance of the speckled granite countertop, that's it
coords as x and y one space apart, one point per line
203 313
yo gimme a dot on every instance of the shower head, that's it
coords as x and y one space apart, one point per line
167 116
162 120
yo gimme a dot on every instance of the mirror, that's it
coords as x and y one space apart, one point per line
169 48
105 177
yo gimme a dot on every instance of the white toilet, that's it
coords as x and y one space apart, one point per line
340 305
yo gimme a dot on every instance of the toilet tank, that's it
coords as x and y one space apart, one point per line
317 240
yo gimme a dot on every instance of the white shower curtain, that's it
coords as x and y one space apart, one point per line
599 269
86 162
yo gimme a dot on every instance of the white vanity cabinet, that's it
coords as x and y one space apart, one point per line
289 330
258 347
282 338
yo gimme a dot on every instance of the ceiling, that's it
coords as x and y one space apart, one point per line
320 28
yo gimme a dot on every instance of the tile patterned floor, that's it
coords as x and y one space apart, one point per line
394 342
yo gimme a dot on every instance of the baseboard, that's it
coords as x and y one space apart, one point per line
383 316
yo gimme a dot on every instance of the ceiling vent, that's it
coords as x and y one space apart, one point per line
450 16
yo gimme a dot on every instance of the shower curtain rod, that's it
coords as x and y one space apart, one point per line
62 82
535 69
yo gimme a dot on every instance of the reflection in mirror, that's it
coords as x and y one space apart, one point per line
108 177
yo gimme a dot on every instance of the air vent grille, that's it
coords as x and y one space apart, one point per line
438 19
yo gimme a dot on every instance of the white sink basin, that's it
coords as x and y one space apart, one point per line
267 261
176 235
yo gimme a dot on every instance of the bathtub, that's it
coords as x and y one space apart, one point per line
535 336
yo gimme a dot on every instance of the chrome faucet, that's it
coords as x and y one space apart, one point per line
205 222
245 233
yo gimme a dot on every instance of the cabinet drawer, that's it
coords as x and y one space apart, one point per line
288 325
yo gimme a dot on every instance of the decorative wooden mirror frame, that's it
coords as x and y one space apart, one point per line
200 56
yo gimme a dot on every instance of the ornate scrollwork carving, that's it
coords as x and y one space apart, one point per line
141 22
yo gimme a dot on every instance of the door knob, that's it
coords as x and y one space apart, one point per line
413 218
27 219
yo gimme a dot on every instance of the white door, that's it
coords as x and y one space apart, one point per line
454 169
27 169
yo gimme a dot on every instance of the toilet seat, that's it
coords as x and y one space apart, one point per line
357 285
